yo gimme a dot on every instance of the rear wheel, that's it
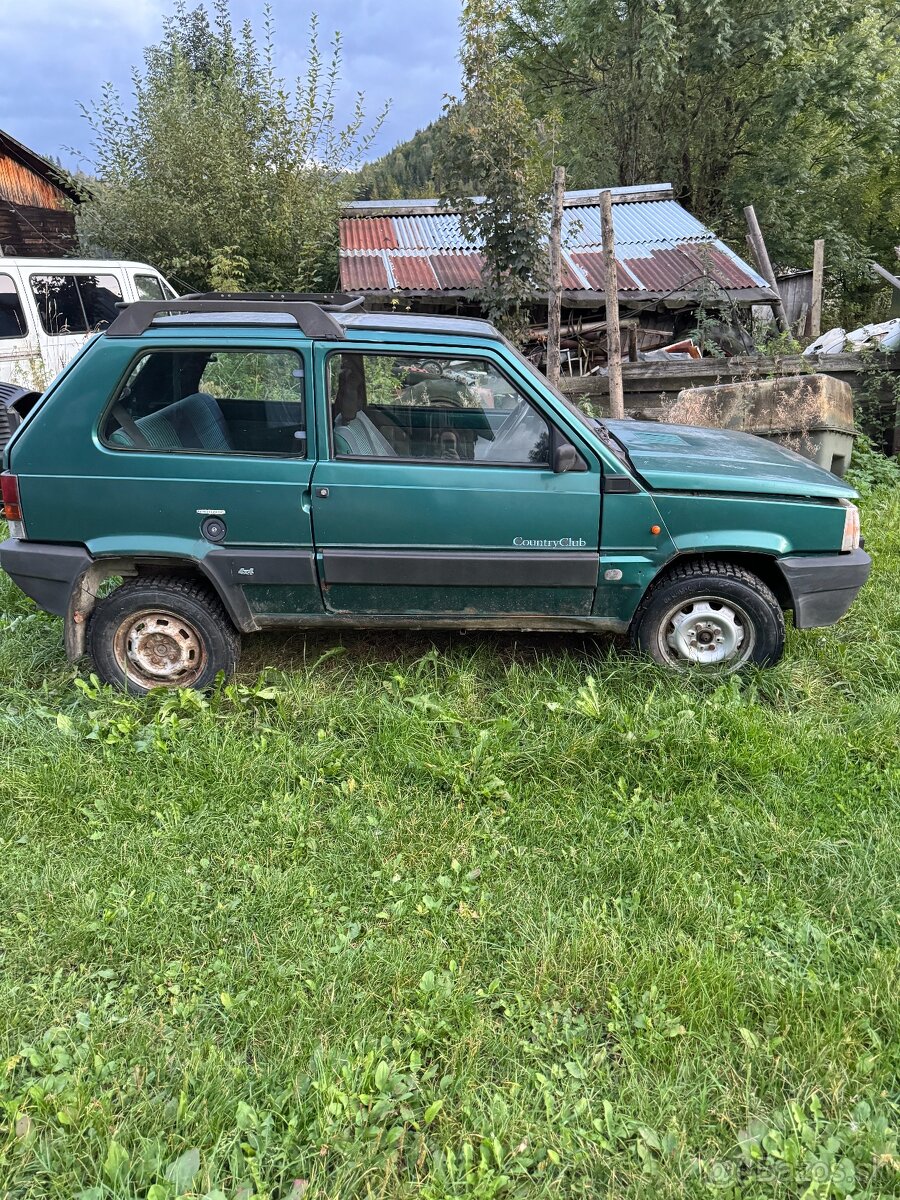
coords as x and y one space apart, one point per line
162 632
711 616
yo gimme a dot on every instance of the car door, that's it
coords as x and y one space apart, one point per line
434 492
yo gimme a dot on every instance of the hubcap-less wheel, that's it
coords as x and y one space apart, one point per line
707 632
159 649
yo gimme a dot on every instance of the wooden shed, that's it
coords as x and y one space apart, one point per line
36 204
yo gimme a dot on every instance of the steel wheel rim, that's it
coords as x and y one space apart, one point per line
158 648
707 633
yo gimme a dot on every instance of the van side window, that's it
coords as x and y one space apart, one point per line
75 303
149 287
423 407
207 401
12 317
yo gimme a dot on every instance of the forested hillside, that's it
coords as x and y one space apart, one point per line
408 169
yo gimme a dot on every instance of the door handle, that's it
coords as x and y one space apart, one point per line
322 493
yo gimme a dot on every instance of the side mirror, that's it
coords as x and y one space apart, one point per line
565 458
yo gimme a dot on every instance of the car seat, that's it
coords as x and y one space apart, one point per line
193 423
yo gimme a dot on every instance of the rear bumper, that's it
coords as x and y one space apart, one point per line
45 572
824 586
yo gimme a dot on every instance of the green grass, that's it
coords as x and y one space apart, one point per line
455 917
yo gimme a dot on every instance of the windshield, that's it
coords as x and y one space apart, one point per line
592 423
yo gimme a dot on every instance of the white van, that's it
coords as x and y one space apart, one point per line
49 307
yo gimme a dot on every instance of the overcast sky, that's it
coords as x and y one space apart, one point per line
58 53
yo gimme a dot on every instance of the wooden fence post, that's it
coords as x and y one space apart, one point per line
761 254
554 299
613 335
815 311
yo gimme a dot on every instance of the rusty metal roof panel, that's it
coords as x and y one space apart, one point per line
458 271
681 268
663 269
590 263
733 267
375 233
573 280
414 273
364 273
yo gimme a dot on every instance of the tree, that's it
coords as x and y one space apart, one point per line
493 144
220 174
791 105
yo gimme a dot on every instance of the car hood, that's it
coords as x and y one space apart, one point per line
687 458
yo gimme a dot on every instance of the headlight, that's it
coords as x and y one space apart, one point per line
850 540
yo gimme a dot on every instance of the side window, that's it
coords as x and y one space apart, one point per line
12 316
75 303
211 402
451 409
99 295
149 287
58 304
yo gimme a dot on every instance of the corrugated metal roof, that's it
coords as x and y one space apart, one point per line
440 231
591 265
660 247
414 273
458 271
376 233
364 272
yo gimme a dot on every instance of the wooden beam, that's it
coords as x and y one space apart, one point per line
761 254
814 327
892 279
554 299
613 336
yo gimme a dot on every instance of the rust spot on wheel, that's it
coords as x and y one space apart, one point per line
156 648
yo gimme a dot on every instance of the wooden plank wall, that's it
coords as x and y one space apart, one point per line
36 232
21 185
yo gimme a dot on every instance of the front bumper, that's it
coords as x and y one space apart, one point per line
823 586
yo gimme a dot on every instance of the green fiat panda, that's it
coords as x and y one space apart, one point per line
213 466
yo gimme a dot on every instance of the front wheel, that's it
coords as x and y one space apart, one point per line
161 632
712 616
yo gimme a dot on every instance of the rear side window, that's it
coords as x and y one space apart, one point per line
211 402
75 303
12 316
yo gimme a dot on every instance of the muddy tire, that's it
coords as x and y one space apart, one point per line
161 632
710 616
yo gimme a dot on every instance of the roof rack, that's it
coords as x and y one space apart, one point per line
312 313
